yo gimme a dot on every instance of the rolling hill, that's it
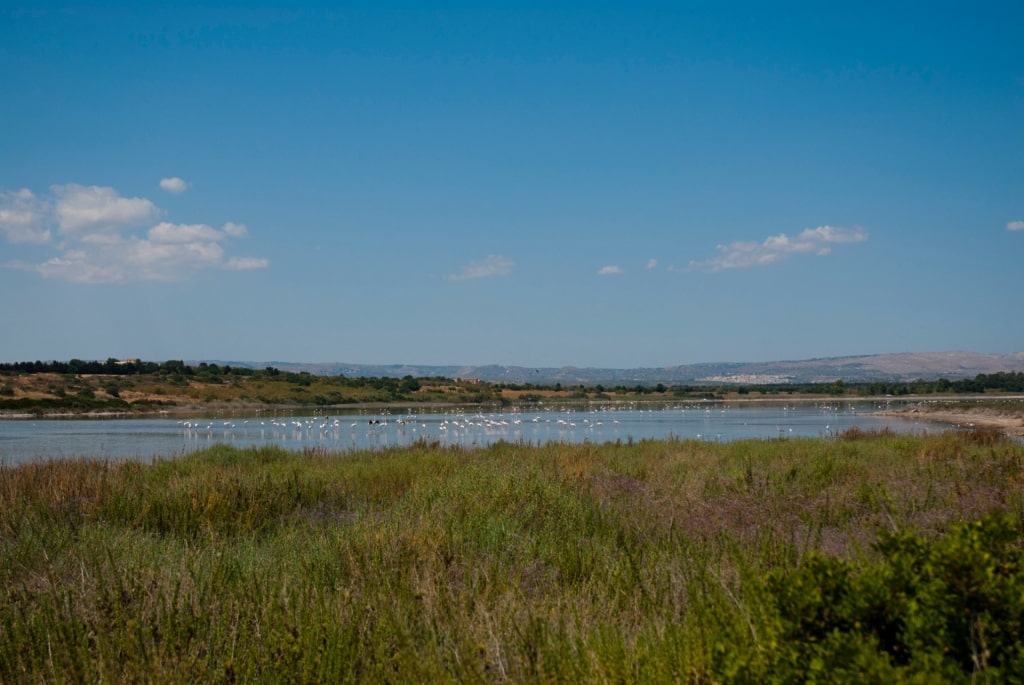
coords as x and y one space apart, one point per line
907 366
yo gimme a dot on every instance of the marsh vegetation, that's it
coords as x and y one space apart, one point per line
871 555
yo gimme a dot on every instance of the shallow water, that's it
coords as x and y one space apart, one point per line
167 436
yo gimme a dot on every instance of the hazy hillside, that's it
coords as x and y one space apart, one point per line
881 367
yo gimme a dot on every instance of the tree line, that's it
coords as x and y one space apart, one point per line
207 372
1003 381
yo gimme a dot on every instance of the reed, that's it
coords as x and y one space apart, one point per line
510 563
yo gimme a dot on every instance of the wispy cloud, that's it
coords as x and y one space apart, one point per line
1015 226
651 263
107 238
184 233
245 263
174 185
22 217
777 248
609 270
492 265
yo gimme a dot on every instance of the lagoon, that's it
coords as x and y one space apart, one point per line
336 430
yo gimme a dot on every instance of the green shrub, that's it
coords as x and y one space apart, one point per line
946 609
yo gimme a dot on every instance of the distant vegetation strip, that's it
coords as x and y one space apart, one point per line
874 557
135 385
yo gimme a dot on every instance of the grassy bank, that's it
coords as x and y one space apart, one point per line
654 561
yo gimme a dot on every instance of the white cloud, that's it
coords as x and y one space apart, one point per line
174 185
492 265
23 217
160 260
817 241
184 233
77 267
609 270
1015 226
84 210
106 238
652 263
235 230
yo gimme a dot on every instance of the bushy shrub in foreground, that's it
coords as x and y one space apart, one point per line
944 610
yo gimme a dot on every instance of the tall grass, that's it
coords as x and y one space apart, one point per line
614 562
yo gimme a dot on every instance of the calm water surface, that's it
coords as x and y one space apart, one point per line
148 438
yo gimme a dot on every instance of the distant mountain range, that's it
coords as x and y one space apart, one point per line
908 366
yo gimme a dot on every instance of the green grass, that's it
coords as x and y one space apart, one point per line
647 562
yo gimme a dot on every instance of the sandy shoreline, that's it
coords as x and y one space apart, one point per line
1010 422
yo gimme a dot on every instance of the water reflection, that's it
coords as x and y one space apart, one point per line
145 438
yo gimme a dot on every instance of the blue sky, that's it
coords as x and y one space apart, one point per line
537 184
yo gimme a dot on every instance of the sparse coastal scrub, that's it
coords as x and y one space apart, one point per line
656 561
113 387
